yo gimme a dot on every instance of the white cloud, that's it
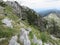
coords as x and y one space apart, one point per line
9 0
41 3
38 4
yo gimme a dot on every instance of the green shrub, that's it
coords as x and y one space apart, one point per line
31 35
6 32
43 36
0 22
5 42
33 44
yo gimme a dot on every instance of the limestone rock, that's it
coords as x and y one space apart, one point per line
39 42
36 41
46 44
24 39
13 41
7 22
53 37
29 29
21 24
1 39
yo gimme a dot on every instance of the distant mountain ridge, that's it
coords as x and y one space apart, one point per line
47 12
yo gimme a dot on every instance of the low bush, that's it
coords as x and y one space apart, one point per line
6 32
43 36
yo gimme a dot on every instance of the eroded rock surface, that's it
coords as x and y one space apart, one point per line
1 39
13 41
7 22
53 37
36 41
24 39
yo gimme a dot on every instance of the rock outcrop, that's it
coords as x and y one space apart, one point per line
24 39
16 7
36 41
1 39
7 22
13 41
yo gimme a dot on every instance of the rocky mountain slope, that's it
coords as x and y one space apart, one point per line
54 17
53 22
15 30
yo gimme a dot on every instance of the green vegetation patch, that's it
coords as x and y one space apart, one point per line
6 32
44 36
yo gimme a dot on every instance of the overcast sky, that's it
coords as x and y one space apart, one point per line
40 4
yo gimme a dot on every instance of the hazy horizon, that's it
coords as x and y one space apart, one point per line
40 4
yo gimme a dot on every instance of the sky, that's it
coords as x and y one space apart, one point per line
40 4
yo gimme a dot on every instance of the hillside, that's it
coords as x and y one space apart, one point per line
53 21
53 16
17 30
